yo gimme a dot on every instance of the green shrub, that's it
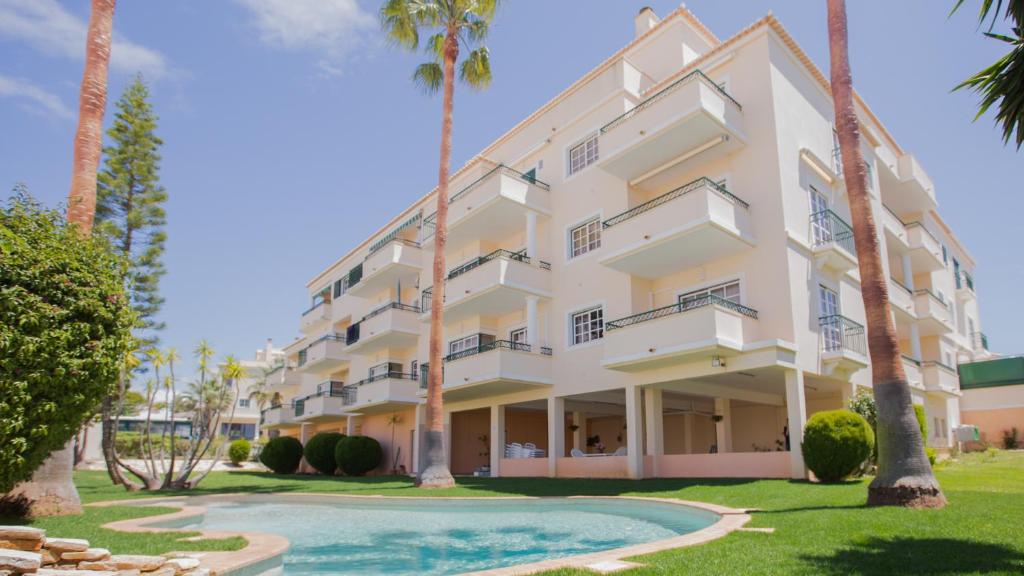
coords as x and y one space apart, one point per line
65 327
922 421
131 445
933 456
319 452
836 443
357 455
238 451
282 455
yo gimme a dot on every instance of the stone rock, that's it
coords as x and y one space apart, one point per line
200 572
48 557
97 565
72 572
143 563
181 565
162 571
21 533
19 561
61 545
132 572
91 555
21 544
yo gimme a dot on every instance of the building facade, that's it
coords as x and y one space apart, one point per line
651 275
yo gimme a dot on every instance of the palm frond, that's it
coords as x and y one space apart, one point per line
428 77
475 70
398 18
435 47
1002 85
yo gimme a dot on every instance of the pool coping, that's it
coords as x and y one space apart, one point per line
264 548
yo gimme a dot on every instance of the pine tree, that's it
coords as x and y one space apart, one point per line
130 214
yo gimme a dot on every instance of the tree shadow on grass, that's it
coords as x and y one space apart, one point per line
919 556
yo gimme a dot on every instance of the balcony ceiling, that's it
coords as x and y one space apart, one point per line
686 246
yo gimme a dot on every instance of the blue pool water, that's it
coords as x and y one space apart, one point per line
431 536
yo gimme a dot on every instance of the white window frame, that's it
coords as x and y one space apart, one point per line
708 284
571 326
244 402
569 246
463 343
518 330
832 335
594 137
704 290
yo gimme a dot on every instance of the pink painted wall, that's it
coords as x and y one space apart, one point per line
595 467
524 467
675 434
610 429
732 465
524 426
991 423
467 449
377 427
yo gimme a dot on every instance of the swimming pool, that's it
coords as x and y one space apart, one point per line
348 536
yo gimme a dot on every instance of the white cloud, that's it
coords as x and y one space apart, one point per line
49 28
21 88
332 28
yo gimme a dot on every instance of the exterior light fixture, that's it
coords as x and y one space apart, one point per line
717 362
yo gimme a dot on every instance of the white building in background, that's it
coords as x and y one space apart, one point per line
245 421
651 275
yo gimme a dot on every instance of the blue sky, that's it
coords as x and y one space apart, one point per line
292 132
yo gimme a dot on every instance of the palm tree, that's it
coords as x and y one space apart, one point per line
450 23
1003 81
904 475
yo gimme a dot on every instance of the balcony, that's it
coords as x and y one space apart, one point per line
385 392
493 207
940 378
392 325
687 227
964 286
906 187
689 118
843 345
694 328
901 300
980 342
895 230
395 261
326 404
281 416
832 242
494 285
934 317
912 368
324 355
925 249
318 316
498 367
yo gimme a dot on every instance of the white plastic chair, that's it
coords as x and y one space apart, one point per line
530 446
577 453
538 453
620 451
516 450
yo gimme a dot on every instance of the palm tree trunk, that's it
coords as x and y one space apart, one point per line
435 473
904 475
92 104
51 490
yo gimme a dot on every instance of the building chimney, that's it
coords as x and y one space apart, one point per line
645 20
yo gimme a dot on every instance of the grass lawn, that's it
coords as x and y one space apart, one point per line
819 529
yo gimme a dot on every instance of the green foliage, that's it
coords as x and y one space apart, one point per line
319 452
130 201
1002 83
836 443
64 328
864 404
282 455
130 445
922 421
238 451
932 455
357 455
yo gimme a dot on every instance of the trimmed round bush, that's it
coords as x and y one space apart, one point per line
836 444
357 455
319 452
282 455
238 451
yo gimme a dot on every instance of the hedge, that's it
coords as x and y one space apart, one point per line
319 452
238 451
357 455
836 443
282 455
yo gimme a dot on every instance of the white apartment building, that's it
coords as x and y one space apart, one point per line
243 419
651 275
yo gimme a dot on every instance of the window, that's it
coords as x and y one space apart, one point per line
945 255
243 402
414 368
379 370
956 273
588 325
340 286
463 344
585 237
828 309
583 154
821 229
727 291
518 336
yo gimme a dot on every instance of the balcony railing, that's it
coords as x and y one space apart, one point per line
901 285
300 407
680 307
499 253
827 227
392 306
349 395
839 333
672 195
315 305
380 244
933 295
330 388
431 221
968 281
352 334
495 345
980 341
912 360
326 337
696 75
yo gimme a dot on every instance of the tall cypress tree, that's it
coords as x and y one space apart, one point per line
130 214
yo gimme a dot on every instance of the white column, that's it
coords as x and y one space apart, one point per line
688 433
915 340
908 272
497 438
531 324
350 426
655 425
796 409
723 428
417 437
634 431
556 433
578 435
848 391
531 235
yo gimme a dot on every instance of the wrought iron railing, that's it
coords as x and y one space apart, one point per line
389 375
314 307
431 221
980 341
352 334
304 353
912 360
300 407
426 299
349 395
680 307
378 246
968 280
330 388
939 364
933 295
839 333
919 224
355 275
391 306
695 75
495 345
672 195
481 260
828 228
546 350
901 285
